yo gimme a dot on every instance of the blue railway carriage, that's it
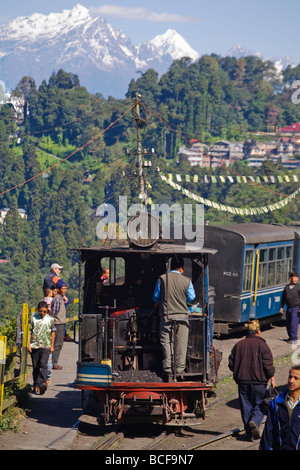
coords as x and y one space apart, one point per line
120 356
249 271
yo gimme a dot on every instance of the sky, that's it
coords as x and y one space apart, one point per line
209 26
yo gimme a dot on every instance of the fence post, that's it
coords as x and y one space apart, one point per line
25 343
3 342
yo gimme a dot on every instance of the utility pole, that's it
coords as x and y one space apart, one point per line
142 194
140 153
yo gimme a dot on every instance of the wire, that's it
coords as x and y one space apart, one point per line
221 165
73 153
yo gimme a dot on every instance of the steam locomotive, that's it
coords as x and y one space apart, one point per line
120 355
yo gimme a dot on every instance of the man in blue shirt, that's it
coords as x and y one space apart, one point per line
282 428
172 292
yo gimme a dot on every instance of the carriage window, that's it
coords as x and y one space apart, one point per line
248 270
262 268
280 266
272 267
288 264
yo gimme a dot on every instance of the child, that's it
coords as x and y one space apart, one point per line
49 294
41 343
48 297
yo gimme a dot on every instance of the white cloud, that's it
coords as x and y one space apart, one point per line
141 14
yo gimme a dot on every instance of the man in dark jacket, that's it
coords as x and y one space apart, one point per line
282 428
291 298
52 277
251 362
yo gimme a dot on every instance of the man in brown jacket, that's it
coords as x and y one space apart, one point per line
251 362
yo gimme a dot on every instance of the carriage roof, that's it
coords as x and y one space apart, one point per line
159 249
257 233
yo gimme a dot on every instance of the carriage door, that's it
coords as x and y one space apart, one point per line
255 272
272 266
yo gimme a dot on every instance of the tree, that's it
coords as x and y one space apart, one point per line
240 71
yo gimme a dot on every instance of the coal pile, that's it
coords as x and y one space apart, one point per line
136 376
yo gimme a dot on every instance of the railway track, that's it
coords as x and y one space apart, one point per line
108 442
218 442
119 438
221 430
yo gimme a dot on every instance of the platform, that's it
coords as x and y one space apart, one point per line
52 418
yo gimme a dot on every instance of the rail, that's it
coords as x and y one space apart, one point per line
16 358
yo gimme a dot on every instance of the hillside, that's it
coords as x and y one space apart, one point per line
209 99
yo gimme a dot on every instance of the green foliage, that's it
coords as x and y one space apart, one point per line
211 99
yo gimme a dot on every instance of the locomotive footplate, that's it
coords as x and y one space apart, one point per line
174 403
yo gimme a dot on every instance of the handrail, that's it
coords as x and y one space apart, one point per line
5 352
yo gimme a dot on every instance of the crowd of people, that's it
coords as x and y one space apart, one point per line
250 360
48 329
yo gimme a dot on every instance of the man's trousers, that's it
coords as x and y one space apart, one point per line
174 339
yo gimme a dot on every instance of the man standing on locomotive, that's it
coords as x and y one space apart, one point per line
172 292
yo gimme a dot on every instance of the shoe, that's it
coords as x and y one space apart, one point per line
43 388
254 430
48 382
37 390
57 367
68 338
168 378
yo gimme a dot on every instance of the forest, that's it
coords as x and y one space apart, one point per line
74 151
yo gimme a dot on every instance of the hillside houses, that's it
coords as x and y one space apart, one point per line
253 151
16 103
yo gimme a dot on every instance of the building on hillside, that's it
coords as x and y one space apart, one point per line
17 104
255 162
288 146
196 154
3 213
220 149
236 150
253 148
292 129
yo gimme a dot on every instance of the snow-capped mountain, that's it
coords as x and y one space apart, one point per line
104 58
280 63
163 49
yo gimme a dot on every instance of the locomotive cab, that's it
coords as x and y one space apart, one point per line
120 355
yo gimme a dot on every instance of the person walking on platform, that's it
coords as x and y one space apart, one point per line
58 311
291 298
172 292
251 362
41 344
282 428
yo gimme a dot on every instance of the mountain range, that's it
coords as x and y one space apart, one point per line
104 58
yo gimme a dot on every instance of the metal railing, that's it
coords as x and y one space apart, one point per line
18 355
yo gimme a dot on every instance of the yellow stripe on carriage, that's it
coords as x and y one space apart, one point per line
94 378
